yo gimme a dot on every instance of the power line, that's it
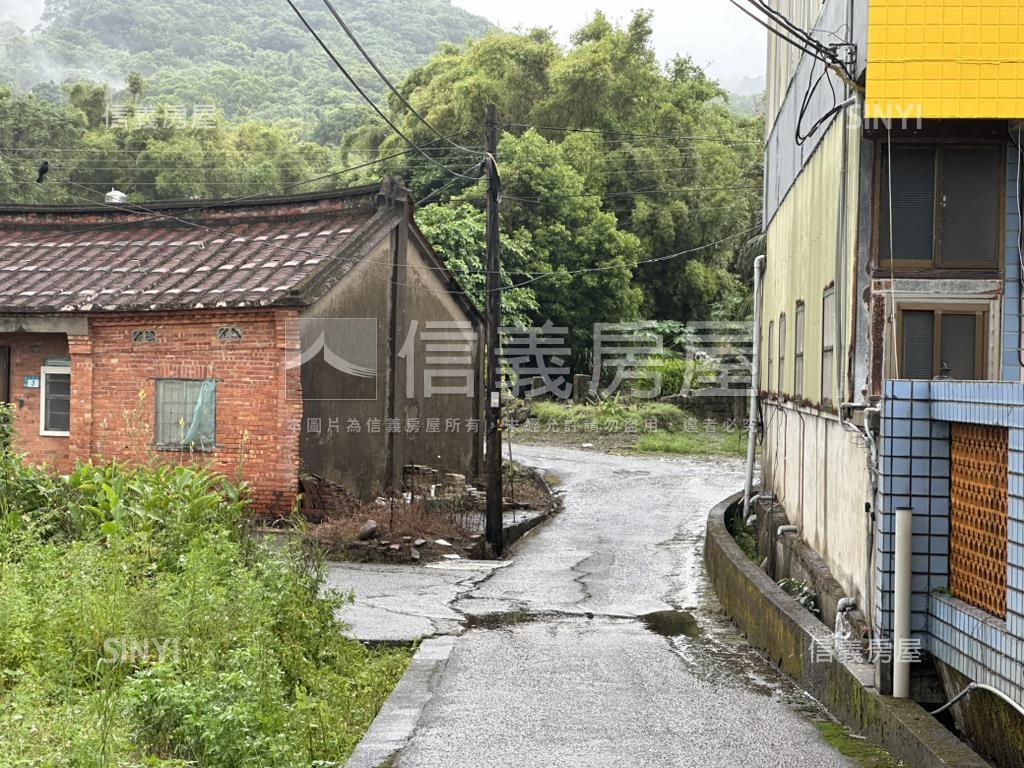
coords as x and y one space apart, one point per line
365 97
387 81
657 259
444 270
547 198
713 139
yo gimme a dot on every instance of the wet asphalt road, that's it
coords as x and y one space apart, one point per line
560 672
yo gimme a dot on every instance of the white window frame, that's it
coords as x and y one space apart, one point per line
46 370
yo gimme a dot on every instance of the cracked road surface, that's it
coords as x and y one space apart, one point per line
558 667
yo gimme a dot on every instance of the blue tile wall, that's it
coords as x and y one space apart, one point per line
915 461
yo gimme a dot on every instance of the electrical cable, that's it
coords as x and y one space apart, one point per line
826 53
562 129
134 208
778 33
366 97
388 83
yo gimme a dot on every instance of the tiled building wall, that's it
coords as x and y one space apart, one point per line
915 450
915 473
946 58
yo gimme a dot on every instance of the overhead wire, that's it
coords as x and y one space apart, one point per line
359 89
134 208
380 73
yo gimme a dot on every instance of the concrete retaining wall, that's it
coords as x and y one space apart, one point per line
793 638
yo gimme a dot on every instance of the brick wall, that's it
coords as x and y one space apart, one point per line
259 401
28 353
113 393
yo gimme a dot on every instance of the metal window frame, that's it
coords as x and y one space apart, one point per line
181 447
781 375
982 313
52 370
936 263
799 342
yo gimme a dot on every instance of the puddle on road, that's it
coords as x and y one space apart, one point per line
671 623
499 620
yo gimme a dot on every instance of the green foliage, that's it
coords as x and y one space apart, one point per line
675 375
253 58
140 626
649 209
802 593
696 443
625 190
458 234
612 415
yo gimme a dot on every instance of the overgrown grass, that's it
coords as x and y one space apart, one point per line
141 626
657 427
613 415
700 443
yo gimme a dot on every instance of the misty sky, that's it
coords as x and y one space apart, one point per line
713 32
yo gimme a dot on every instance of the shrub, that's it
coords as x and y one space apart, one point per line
111 567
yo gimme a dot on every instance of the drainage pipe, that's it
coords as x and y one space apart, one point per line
755 380
901 603
978 687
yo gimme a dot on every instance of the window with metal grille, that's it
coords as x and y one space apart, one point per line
828 343
55 401
942 342
946 206
769 380
186 414
798 350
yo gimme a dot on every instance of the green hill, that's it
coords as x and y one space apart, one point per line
252 58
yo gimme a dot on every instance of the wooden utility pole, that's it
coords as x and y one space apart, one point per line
494 532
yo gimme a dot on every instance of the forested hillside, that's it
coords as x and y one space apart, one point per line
253 58
631 190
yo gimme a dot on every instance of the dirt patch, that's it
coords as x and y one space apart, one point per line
436 517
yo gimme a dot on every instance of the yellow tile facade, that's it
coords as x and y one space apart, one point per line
945 59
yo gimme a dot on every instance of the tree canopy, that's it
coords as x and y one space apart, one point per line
630 189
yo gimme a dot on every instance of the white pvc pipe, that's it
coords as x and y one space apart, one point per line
901 603
755 381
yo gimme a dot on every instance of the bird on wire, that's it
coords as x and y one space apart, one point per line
43 170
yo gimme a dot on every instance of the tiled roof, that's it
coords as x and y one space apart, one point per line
177 256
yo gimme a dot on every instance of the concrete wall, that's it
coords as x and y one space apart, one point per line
818 471
334 450
403 290
800 645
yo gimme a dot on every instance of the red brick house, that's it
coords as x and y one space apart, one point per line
179 331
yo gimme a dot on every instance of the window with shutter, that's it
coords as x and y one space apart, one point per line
828 342
798 351
945 206
782 352
946 342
